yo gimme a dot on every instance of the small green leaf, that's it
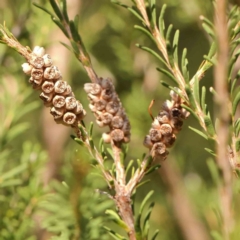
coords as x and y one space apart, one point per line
196 90
67 46
155 54
175 46
56 9
152 169
114 234
129 166
60 25
209 125
237 145
235 103
155 235
169 31
161 20
147 197
208 30
191 97
79 141
199 132
44 9
142 183
168 74
11 173
90 129
153 10
145 32
146 224
210 151
203 99
115 217
65 12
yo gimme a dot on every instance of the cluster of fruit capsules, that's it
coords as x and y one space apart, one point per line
108 110
55 92
165 126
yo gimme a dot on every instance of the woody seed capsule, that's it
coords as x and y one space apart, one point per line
37 62
47 60
27 68
117 135
58 101
60 86
57 112
37 73
69 118
71 103
48 87
155 135
52 73
165 129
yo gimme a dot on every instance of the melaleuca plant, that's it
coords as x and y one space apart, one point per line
124 177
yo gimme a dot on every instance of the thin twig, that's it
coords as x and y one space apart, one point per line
222 113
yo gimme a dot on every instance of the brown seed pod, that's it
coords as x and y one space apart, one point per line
71 103
117 122
48 87
52 73
47 60
155 135
100 105
112 107
79 108
69 118
37 73
92 88
47 98
117 135
36 62
147 142
169 140
165 129
57 112
60 86
159 148
58 101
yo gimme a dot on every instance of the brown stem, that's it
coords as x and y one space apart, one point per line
222 113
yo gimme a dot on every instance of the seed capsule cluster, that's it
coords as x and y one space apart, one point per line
108 110
165 126
55 92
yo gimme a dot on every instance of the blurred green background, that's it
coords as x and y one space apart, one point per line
51 193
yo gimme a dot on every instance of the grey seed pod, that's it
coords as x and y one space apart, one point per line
46 97
147 142
176 112
48 87
67 91
37 73
117 122
71 103
79 108
117 135
27 68
58 101
106 83
52 73
165 129
100 105
36 62
176 124
92 107
155 124
155 135
107 94
167 105
57 112
93 98
106 118
120 112
60 86
100 123
163 117
38 51
126 127
159 149
169 140
112 107
106 137
47 60
92 88
69 118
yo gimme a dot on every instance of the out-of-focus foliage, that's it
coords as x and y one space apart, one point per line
71 209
